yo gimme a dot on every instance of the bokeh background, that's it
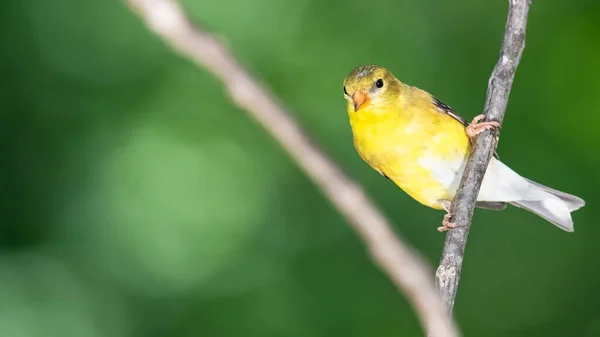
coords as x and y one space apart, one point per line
138 201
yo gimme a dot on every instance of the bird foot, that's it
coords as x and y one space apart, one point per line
476 128
446 224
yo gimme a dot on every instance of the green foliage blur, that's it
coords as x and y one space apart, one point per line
138 201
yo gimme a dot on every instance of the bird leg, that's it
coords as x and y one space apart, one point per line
446 224
476 128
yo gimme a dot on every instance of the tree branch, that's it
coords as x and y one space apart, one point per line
448 273
395 257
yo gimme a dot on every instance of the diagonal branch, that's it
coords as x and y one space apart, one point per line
463 205
389 251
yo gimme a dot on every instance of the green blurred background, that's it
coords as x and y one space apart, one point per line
138 201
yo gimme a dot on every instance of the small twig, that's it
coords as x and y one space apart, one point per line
463 205
395 257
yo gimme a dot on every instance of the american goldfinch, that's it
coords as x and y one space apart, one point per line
422 145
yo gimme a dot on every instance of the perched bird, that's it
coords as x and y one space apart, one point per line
422 145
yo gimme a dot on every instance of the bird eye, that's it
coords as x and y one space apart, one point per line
345 92
379 83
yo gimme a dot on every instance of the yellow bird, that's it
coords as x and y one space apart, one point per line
422 145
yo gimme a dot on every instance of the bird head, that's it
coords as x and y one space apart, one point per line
370 85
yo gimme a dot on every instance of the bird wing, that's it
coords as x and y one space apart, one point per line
443 107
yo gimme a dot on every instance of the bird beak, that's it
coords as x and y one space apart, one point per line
359 99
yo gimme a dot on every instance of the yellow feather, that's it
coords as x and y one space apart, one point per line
422 146
395 131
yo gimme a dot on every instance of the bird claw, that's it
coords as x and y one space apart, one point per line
446 224
476 127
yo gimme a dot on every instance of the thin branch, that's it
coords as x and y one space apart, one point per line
395 257
463 205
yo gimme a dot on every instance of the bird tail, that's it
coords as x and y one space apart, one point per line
573 202
555 207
